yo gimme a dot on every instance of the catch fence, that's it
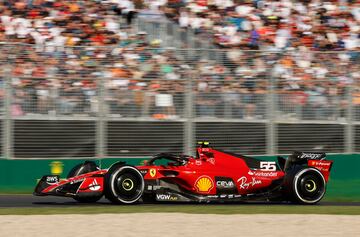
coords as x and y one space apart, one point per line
94 102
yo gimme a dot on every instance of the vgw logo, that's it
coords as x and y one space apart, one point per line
166 197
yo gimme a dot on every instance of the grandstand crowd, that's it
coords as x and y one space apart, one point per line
267 24
60 54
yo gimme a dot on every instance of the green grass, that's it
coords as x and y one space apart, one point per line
194 209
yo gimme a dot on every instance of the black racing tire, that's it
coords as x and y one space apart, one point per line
88 199
307 186
124 184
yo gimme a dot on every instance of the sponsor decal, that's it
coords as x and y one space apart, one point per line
52 179
94 186
245 184
204 184
76 181
166 197
152 172
268 165
320 165
263 174
198 162
56 167
144 172
312 156
229 196
225 184
212 196
212 161
154 187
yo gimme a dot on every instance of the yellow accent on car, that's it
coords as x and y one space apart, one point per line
314 186
152 172
204 184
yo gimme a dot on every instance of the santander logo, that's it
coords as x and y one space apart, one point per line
94 186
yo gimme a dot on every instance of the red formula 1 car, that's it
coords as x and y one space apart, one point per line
211 176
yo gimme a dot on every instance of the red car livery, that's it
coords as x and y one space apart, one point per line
211 176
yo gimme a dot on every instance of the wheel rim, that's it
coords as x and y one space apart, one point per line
310 186
128 185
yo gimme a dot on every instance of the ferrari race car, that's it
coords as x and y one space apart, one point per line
211 176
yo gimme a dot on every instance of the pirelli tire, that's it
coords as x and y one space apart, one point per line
123 184
305 185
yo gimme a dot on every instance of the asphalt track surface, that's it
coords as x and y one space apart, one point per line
25 200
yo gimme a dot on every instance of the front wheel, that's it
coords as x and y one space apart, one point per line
307 186
124 184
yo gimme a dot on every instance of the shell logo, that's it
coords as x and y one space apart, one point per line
204 184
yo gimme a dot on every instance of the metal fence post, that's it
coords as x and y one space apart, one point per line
271 126
189 131
349 132
101 141
7 122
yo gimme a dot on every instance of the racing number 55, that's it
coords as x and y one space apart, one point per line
268 165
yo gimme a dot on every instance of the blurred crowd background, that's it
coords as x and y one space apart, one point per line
70 57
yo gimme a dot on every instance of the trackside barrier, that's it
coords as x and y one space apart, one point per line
20 176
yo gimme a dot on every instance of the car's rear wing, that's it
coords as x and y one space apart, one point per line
301 157
312 159
309 155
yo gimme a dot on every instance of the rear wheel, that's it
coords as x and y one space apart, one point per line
308 186
124 184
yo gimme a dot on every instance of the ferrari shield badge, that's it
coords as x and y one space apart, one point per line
152 172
